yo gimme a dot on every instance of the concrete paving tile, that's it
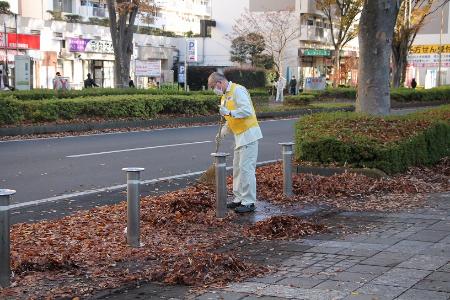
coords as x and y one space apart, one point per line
299 293
328 250
298 282
441 276
216 295
433 285
335 285
415 294
354 277
387 259
441 225
401 277
368 269
358 296
385 241
424 262
406 246
246 287
438 249
359 252
428 236
252 297
445 268
267 279
389 292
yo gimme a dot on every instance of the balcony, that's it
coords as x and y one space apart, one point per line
92 12
309 7
315 34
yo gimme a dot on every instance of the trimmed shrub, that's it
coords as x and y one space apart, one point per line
114 107
301 99
391 144
249 77
198 77
11 111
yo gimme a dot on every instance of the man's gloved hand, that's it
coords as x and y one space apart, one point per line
224 111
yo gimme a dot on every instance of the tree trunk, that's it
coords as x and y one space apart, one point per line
337 67
122 30
376 28
399 62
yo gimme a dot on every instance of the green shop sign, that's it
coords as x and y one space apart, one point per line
316 52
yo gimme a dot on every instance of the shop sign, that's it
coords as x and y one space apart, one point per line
430 49
148 68
316 52
191 50
88 45
22 78
428 60
315 83
20 41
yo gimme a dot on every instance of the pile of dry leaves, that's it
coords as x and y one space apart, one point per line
86 252
351 191
80 254
284 228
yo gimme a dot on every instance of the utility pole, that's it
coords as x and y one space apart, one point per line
440 47
185 65
5 38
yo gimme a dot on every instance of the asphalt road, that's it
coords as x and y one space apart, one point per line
43 168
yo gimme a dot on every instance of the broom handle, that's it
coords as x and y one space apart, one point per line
220 130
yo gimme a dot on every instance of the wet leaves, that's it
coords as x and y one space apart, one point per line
283 227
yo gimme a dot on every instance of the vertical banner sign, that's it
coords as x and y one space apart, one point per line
181 74
191 50
22 72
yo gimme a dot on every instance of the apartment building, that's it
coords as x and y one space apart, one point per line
76 49
430 52
309 56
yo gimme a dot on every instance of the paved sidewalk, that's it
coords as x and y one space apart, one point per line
401 256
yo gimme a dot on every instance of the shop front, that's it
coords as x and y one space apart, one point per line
90 56
153 66
315 64
19 45
424 64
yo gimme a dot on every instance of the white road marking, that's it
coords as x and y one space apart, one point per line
116 187
131 131
136 149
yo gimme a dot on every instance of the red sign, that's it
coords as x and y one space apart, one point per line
24 41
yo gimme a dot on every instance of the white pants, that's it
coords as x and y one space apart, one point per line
279 95
244 179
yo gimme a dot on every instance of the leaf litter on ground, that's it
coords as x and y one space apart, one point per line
87 252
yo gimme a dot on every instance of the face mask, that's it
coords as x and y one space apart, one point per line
218 92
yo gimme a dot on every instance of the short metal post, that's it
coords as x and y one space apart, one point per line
287 168
133 206
5 268
220 162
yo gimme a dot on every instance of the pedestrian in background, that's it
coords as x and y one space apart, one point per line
293 86
280 85
89 82
413 83
131 82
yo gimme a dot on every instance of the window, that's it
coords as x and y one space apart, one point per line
310 22
62 5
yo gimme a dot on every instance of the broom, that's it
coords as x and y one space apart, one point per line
209 177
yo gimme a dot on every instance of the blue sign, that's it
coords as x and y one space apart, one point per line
181 74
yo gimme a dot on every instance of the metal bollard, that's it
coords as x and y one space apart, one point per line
133 206
287 168
5 267
220 162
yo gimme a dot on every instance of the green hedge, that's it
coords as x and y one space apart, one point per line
410 95
391 144
301 99
121 106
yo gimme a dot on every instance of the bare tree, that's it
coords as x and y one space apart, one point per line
411 18
376 29
342 16
278 28
122 15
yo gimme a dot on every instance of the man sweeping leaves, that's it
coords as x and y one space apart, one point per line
237 109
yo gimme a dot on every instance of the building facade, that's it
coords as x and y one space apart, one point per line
429 58
309 56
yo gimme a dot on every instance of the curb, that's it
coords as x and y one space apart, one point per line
79 127
330 171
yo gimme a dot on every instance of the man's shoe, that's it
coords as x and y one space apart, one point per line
242 209
233 205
